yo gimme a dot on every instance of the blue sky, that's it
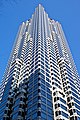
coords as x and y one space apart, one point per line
12 14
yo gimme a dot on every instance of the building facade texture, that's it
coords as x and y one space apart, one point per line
41 81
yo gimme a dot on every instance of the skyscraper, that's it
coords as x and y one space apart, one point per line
41 81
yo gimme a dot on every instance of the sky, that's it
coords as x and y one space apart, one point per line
14 12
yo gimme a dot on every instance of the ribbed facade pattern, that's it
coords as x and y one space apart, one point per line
41 81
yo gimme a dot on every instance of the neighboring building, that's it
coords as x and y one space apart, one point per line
41 81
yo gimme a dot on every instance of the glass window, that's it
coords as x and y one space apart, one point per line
49 110
30 103
77 106
64 114
43 99
35 99
49 117
2 108
49 96
16 107
47 79
34 115
42 76
43 107
49 103
35 93
2 113
48 84
48 90
74 95
77 101
42 66
43 115
42 80
63 107
42 86
15 116
42 71
47 70
63 101
43 93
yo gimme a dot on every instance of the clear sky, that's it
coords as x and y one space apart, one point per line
12 14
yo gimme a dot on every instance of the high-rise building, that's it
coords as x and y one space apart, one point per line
41 81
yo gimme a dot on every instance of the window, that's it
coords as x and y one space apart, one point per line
42 80
34 115
49 110
17 101
48 84
77 101
77 106
49 103
14 116
2 108
48 90
16 108
74 94
49 96
64 114
63 107
43 93
62 100
47 75
49 117
35 99
42 86
43 99
43 115
43 107
47 79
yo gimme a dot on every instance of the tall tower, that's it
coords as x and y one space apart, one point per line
41 81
